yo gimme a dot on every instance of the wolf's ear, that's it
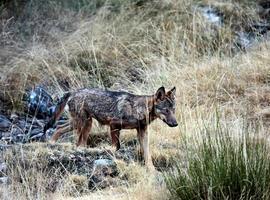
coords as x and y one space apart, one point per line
160 94
172 92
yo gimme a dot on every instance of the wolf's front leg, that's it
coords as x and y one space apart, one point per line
144 145
115 133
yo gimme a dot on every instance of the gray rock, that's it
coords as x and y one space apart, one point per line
211 15
4 123
16 131
39 103
22 124
103 172
49 133
7 138
3 168
38 136
4 180
104 167
244 39
4 146
35 131
17 135
103 163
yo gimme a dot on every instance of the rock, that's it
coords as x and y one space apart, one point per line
29 123
14 117
3 168
244 39
211 15
40 103
261 28
128 154
39 136
15 130
4 123
103 172
17 135
7 137
35 131
49 133
22 124
4 147
101 182
265 4
4 180
100 163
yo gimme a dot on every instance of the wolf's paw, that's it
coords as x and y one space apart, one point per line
51 141
150 167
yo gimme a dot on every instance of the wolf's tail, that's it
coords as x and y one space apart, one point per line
58 111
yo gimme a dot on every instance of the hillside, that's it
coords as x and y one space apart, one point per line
217 55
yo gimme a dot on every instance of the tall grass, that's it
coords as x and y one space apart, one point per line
223 166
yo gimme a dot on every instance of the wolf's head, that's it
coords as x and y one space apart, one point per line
164 106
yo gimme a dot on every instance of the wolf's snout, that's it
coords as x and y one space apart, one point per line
174 124
171 124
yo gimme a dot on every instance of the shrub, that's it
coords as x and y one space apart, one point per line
224 166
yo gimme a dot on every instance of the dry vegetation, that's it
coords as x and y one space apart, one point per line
135 46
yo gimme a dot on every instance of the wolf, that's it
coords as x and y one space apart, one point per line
119 110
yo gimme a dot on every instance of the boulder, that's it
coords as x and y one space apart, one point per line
4 180
5 123
3 167
102 174
39 103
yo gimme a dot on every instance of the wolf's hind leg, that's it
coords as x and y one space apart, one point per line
140 138
84 132
60 130
115 133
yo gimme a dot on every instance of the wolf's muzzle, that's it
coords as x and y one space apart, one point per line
171 124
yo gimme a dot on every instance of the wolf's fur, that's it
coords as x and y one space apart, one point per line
119 110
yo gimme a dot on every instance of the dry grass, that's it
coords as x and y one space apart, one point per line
139 49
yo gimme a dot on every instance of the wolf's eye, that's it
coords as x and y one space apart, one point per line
166 110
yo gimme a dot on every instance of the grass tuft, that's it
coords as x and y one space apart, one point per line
223 166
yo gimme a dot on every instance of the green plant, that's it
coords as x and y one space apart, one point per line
224 166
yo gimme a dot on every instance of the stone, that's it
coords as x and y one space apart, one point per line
212 15
103 172
3 168
38 136
4 147
4 180
4 123
103 163
40 103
